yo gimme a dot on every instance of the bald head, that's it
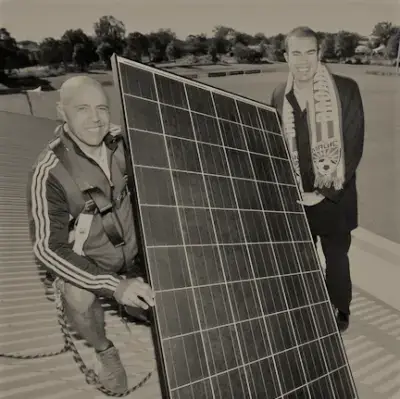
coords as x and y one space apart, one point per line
85 109
72 87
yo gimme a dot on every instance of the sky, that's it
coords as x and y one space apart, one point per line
37 19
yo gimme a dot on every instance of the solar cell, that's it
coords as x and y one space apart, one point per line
241 307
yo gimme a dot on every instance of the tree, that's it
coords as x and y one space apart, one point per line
158 42
156 51
321 36
19 59
69 39
345 44
328 46
223 31
260 38
137 45
278 46
243 53
221 45
105 50
90 50
222 37
8 50
109 37
31 50
243 38
51 51
240 52
173 50
383 30
392 46
162 37
196 44
79 56
109 28
6 40
212 52
76 40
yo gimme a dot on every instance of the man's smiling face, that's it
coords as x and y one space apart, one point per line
302 57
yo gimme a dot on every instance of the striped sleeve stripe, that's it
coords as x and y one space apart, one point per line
42 225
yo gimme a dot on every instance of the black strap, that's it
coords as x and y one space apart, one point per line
95 199
76 174
105 209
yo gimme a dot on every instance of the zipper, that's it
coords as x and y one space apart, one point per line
101 169
109 180
112 187
115 213
122 232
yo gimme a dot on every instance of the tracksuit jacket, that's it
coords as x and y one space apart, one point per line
54 204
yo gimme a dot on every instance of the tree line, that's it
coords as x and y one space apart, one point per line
76 48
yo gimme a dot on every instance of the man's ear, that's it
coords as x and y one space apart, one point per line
319 53
286 56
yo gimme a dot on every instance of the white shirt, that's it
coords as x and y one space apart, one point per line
101 160
302 96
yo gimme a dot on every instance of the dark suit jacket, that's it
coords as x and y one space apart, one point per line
338 211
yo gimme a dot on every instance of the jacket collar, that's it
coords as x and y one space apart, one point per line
110 140
290 96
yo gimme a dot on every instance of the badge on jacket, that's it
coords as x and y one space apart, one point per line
82 230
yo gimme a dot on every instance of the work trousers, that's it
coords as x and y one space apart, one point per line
335 247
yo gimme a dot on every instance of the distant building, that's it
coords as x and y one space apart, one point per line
370 41
29 46
32 48
362 49
369 45
380 50
258 48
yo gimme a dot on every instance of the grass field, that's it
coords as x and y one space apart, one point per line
378 176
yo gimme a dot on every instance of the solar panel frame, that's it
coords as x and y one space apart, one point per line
133 179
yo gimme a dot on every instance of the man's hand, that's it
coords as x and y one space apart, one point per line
310 199
115 129
134 292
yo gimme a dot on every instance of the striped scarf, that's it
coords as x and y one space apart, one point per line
325 127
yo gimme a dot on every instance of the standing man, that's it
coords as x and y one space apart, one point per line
323 121
81 220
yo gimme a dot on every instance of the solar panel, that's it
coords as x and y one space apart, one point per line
241 306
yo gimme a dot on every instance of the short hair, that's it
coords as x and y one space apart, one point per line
301 31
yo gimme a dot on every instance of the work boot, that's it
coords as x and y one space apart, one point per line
343 321
112 373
